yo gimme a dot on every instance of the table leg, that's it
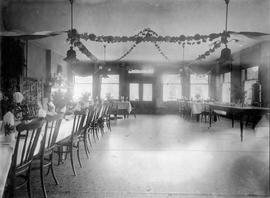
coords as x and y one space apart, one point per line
241 128
232 121
198 117
210 118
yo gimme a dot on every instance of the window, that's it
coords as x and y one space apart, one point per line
134 91
82 85
199 86
226 87
252 73
147 92
141 71
248 80
172 89
110 87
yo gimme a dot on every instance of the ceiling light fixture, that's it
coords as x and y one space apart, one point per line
71 53
226 55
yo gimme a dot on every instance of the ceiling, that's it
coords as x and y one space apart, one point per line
128 17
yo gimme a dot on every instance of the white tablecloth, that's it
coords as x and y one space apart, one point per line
7 148
197 108
123 105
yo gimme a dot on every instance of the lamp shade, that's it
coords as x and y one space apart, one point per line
71 55
225 55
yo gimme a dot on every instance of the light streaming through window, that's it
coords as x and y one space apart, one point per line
172 88
147 92
110 87
199 88
82 85
134 91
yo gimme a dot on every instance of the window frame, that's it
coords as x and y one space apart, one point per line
111 83
168 84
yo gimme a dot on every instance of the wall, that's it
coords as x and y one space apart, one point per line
42 64
257 55
36 62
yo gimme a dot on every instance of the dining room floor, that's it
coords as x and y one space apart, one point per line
166 156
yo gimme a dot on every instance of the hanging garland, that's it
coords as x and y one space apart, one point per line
146 35
85 51
217 44
127 53
161 52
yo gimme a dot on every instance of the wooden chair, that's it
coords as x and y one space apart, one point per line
206 113
133 110
107 118
73 141
45 157
86 130
25 147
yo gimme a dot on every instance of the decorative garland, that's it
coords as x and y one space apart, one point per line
85 51
161 52
146 35
217 44
127 53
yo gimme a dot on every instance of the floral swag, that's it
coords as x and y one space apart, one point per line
147 35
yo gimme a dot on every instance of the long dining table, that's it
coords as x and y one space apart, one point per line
7 148
237 111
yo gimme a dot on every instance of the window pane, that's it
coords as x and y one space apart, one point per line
197 79
171 78
79 79
109 90
111 79
199 91
226 92
141 71
147 92
172 92
252 73
82 85
227 77
134 91
248 88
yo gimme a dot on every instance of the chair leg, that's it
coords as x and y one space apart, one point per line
42 179
96 130
109 123
78 154
29 183
93 134
89 140
71 160
85 146
48 171
52 169
59 155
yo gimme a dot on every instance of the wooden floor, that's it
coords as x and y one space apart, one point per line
166 156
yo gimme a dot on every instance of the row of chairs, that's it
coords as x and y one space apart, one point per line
35 148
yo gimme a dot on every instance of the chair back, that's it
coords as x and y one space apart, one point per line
26 143
107 109
97 113
78 124
52 127
90 117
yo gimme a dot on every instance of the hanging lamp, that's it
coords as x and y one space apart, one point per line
71 53
104 71
226 55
